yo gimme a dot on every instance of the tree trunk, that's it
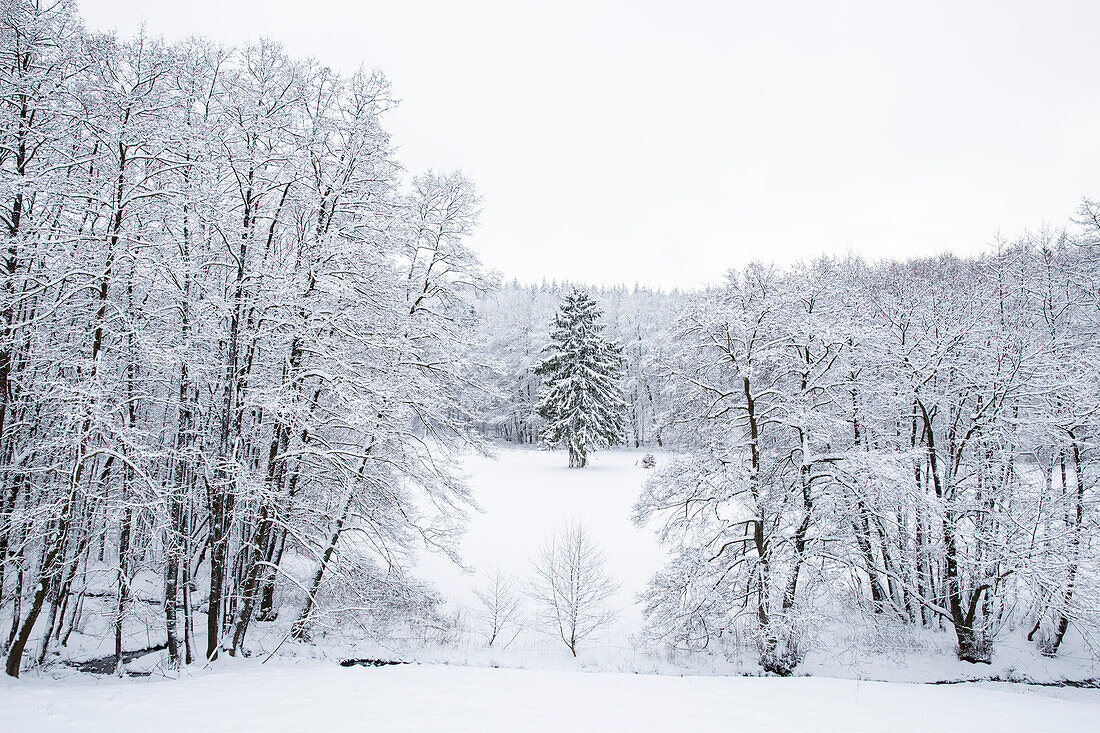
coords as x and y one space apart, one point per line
1062 623
301 628
123 586
51 565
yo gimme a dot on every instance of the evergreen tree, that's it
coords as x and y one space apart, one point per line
581 400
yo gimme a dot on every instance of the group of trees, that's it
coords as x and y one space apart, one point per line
912 439
233 331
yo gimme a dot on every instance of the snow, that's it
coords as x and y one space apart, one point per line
527 494
282 695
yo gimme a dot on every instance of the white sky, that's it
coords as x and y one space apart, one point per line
662 142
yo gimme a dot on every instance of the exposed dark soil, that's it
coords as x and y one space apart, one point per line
1092 683
106 665
369 662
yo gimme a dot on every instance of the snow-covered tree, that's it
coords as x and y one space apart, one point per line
755 385
581 400
511 329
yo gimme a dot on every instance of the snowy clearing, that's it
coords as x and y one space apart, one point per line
312 696
524 496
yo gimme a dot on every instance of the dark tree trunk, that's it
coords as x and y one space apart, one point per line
1061 625
123 586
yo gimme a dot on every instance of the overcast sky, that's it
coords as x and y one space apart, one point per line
665 142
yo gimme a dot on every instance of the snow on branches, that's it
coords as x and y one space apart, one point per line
581 400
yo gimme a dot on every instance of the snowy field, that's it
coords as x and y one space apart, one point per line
525 495
312 696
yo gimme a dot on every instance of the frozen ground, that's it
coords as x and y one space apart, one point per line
313 696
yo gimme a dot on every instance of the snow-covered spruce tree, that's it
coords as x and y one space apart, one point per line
581 400
511 329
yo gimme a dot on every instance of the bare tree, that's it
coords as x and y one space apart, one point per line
570 586
501 609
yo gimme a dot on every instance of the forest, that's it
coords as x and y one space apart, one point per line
243 352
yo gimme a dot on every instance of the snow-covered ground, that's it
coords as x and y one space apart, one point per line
526 495
282 695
